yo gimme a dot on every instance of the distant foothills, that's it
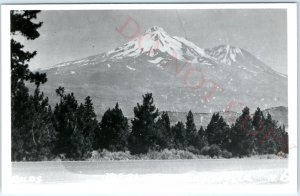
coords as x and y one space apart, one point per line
71 131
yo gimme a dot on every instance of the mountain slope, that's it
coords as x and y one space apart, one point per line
181 76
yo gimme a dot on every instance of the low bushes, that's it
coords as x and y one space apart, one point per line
106 155
166 154
215 151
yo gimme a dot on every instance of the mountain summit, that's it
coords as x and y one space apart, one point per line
225 53
180 74
156 43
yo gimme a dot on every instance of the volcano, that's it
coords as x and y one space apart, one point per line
180 75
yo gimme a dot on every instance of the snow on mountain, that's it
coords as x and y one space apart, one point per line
155 42
158 47
130 68
225 53
191 45
157 60
204 80
81 62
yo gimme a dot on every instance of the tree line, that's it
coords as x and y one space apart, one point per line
72 131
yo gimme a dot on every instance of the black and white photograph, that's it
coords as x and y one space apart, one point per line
150 98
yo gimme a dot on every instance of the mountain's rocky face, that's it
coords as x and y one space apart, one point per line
181 76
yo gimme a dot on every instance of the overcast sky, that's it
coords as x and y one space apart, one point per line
71 35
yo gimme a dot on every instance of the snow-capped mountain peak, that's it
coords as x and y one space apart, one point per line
147 63
156 46
155 29
155 42
225 53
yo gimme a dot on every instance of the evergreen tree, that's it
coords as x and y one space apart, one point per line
31 130
164 136
42 129
241 139
191 131
270 142
201 140
80 143
65 122
179 132
258 119
21 22
142 137
89 111
83 138
20 120
258 123
282 140
114 130
217 131
201 132
90 123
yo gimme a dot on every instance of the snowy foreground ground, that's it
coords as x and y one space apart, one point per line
108 176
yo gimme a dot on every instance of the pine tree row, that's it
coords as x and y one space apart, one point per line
72 131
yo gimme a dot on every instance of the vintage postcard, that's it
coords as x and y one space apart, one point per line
149 98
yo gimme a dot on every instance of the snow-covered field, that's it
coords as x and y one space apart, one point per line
108 176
